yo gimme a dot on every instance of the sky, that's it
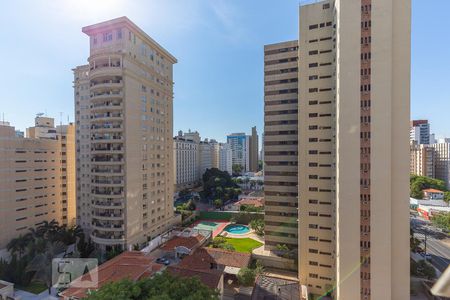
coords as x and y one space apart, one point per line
219 46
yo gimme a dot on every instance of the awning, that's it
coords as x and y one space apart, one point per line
231 270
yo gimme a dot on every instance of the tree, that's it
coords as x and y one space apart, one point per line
18 245
413 242
160 287
258 226
246 276
237 169
442 220
218 203
41 264
419 183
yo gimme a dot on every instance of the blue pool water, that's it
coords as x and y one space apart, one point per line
237 229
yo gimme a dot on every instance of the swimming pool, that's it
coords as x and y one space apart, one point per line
237 229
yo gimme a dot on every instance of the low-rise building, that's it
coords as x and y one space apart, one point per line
133 265
433 194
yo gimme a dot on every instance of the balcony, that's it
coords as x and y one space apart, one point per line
96 128
108 216
105 69
107 227
101 161
103 84
107 116
106 171
107 239
107 138
109 150
107 183
107 205
106 95
106 106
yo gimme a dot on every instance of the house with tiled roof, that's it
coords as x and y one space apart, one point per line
433 194
215 258
184 245
132 265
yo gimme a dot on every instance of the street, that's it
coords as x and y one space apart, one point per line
440 252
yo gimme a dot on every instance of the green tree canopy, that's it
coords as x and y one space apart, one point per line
219 184
419 183
159 287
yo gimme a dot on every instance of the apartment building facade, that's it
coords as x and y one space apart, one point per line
37 178
124 118
225 158
186 166
420 132
254 153
442 162
351 111
422 160
281 144
354 70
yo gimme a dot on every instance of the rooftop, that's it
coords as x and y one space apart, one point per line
203 257
133 265
432 191
209 277
180 241
124 21
275 288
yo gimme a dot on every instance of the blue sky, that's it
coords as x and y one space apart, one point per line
219 46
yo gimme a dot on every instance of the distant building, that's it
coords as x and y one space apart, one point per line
193 157
186 153
225 158
239 143
433 194
420 131
253 149
442 162
37 177
422 160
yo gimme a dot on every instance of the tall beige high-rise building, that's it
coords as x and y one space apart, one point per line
124 114
353 163
281 144
37 177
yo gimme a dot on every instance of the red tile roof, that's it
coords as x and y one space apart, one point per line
131 264
209 277
432 191
257 202
203 257
188 242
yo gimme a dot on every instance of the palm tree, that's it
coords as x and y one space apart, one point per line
18 244
41 264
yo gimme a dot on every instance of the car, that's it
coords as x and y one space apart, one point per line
163 261
428 256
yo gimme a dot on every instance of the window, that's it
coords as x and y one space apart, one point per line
313 26
107 36
326 6
119 34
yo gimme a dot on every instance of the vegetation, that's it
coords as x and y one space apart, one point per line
218 203
221 242
258 226
442 220
31 254
246 276
218 184
237 169
251 208
159 287
244 245
422 269
413 242
419 183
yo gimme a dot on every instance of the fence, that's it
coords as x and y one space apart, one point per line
240 217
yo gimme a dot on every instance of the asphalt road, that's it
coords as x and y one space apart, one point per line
440 252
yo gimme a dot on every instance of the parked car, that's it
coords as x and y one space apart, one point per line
163 261
428 256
